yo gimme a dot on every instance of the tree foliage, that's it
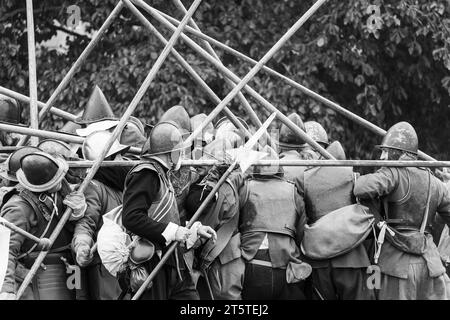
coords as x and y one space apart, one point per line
398 73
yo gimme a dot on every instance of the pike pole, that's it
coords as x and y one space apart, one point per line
266 104
81 59
231 84
44 242
34 118
133 105
330 104
51 135
195 76
283 163
247 147
61 113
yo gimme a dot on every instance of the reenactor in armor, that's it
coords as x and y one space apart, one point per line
220 264
103 194
271 224
326 189
36 205
411 196
289 145
182 178
319 135
150 211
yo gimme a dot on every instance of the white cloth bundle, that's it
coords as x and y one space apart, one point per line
112 241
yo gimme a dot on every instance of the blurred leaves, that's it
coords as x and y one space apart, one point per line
401 72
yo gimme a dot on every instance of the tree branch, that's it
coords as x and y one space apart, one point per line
73 33
23 10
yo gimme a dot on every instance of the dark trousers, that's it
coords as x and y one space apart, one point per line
340 284
266 283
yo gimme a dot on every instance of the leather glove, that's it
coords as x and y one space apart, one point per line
7 296
207 232
77 202
182 234
200 231
83 255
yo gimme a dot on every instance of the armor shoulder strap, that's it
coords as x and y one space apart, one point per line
142 166
153 166
39 208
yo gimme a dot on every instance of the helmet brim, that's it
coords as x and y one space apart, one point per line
381 146
63 167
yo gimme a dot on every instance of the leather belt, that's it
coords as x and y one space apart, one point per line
261 263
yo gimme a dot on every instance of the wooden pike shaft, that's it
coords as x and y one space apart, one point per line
231 84
283 163
332 105
15 228
248 146
51 135
34 119
266 104
80 61
20 97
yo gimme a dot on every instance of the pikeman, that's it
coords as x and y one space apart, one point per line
98 115
271 226
220 264
411 196
36 206
183 178
150 211
103 194
344 276
289 144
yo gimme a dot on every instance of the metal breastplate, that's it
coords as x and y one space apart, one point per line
164 207
327 189
406 205
270 207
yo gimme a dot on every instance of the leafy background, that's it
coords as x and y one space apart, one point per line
399 73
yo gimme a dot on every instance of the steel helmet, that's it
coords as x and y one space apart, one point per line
40 172
288 138
57 148
12 163
316 132
93 145
133 134
10 110
165 137
401 136
179 115
208 131
97 109
337 151
224 120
